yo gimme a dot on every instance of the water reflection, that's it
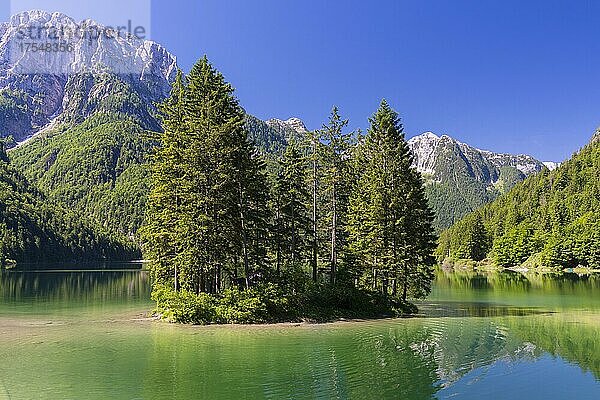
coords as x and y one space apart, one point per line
29 293
481 335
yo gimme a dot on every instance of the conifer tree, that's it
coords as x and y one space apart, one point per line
203 216
390 223
160 233
314 145
336 164
293 225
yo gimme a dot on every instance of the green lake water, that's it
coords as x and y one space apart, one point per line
82 335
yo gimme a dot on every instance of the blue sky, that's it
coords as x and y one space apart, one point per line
512 76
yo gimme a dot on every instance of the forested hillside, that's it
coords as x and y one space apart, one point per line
34 228
550 220
461 178
95 168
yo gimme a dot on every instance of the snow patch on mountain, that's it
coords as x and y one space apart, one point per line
428 148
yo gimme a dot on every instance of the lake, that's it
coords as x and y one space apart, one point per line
82 335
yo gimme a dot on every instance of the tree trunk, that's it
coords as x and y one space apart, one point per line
314 195
384 284
244 236
374 279
176 279
278 236
333 235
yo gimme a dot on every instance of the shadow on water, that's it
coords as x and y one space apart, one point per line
79 266
72 291
476 310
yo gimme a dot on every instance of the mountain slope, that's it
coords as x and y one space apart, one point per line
73 85
461 178
549 220
272 136
34 228
95 167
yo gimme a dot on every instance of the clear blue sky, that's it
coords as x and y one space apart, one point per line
512 76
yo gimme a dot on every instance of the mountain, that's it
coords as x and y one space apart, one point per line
273 135
37 88
461 178
35 228
549 220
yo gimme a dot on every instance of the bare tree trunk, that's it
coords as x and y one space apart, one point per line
218 279
278 232
333 235
176 279
315 249
244 236
374 279
176 269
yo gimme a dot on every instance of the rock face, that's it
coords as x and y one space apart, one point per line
272 136
461 178
437 156
37 87
596 137
290 125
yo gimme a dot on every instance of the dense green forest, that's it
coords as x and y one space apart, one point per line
550 220
95 167
456 187
34 228
337 226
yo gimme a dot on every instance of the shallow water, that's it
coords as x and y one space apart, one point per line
81 335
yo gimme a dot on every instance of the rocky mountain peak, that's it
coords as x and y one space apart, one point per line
428 149
294 124
596 137
44 85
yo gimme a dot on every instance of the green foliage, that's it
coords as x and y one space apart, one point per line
226 249
469 241
96 168
549 220
335 181
290 198
34 228
390 222
451 201
269 303
207 208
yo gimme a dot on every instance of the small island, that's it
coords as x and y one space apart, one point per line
336 226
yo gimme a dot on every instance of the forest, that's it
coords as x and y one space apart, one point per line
336 226
35 228
549 221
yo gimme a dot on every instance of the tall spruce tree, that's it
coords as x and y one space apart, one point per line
161 232
314 145
390 222
336 163
203 215
293 224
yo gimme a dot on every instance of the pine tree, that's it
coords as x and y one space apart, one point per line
160 233
314 145
293 225
336 164
390 222
204 216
